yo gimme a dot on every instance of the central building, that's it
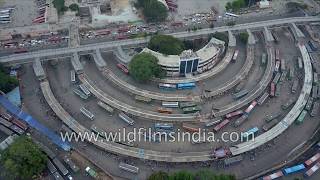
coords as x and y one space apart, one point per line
190 62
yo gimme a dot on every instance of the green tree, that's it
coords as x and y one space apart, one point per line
244 37
221 36
74 7
231 23
236 5
59 5
159 176
144 66
153 10
182 175
22 159
7 83
166 44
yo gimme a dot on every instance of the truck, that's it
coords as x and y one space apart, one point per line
91 172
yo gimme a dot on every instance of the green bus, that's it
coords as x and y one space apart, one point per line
301 117
191 109
186 104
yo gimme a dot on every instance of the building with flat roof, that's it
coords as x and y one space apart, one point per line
188 61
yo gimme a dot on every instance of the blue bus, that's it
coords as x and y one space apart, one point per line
168 126
249 134
312 45
294 169
186 85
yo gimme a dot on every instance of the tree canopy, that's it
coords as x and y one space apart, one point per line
59 5
153 10
166 44
204 174
144 66
7 83
74 7
236 5
22 159
244 37
221 36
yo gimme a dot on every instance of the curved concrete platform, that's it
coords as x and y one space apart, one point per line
149 115
237 78
290 117
257 91
108 74
114 147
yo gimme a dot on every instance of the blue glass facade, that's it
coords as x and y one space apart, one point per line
188 66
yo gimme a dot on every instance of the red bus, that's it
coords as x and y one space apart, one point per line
20 124
190 127
272 89
123 29
123 68
20 50
250 108
164 110
234 113
102 32
221 125
312 160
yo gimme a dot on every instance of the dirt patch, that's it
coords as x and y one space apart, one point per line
82 162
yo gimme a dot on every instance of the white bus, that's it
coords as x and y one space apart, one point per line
84 89
126 118
129 168
231 14
73 76
170 104
105 106
87 113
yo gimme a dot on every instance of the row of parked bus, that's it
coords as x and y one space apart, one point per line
42 7
310 167
5 15
179 86
187 107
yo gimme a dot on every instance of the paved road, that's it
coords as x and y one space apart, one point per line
27 57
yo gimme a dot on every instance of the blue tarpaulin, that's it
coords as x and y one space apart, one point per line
14 96
34 123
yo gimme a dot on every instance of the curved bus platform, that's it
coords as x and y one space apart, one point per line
114 147
257 91
237 78
108 74
149 115
290 117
